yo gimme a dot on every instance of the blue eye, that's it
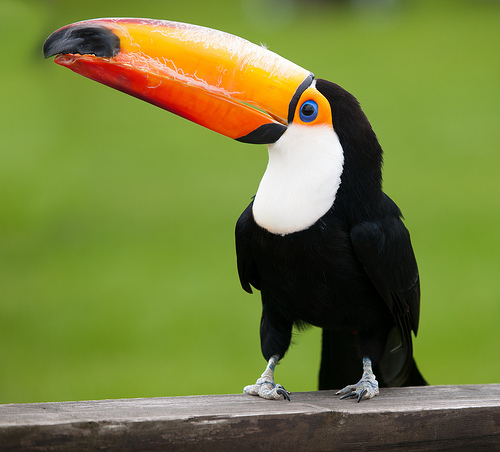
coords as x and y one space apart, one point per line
308 111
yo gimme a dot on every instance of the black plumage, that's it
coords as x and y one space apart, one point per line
352 273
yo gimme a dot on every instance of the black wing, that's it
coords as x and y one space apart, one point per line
384 249
247 270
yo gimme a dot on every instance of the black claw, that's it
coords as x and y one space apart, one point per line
347 396
284 393
361 395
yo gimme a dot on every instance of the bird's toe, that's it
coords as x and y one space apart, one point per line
267 390
364 389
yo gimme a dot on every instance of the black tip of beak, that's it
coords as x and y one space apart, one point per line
84 40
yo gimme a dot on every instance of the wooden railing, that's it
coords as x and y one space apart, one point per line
457 418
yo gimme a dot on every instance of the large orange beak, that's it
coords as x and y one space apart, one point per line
215 79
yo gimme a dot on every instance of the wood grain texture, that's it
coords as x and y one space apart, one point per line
411 419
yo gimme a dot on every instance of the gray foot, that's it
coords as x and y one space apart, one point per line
366 388
265 386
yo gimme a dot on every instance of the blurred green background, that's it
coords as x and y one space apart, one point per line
117 264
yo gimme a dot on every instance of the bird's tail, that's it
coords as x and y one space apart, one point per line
415 378
341 365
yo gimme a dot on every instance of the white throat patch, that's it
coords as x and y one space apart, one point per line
301 179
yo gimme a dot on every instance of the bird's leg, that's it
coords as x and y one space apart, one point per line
265 386
366 388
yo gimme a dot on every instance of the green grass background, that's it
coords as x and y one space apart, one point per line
117 264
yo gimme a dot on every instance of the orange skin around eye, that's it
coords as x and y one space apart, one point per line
324 110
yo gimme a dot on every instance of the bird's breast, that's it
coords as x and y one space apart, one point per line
312 276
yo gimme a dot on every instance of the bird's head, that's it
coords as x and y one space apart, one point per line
238 89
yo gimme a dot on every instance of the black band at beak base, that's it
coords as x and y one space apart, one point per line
295 99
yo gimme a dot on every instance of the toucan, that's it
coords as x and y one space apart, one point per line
321 241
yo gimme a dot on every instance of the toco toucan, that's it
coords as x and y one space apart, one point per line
321 241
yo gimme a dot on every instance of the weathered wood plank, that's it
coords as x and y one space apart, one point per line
411 419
